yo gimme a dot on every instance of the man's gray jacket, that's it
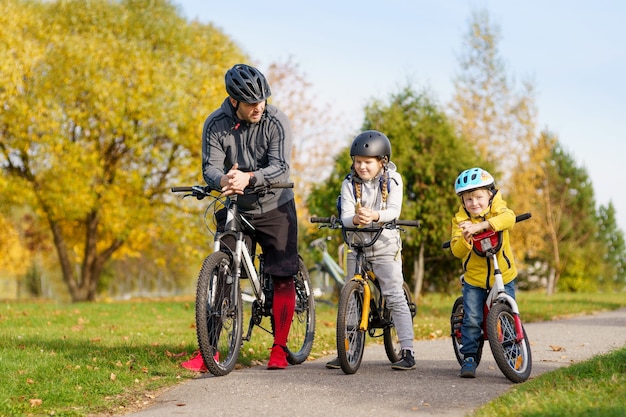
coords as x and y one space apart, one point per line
263 148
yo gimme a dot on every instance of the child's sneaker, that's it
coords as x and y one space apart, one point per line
468 370
278 358
196 363
334 364
407 362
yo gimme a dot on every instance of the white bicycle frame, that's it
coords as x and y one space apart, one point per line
497 292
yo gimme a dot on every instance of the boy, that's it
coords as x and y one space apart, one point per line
371 194
482 208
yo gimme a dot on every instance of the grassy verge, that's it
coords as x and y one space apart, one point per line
596 387
80 359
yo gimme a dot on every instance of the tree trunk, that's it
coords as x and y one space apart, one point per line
86 288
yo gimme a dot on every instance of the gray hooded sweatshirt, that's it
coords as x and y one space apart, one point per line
263 148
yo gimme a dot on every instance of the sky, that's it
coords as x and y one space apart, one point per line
574 52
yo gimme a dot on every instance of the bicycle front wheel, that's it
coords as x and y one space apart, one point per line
350 340
302 331
390 334
219 314
513 357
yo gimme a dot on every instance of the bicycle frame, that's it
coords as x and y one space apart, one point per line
497 292
241 254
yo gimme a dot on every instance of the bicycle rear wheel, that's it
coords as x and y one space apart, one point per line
513 357
302 331
456 321
350 340
219 314
390 334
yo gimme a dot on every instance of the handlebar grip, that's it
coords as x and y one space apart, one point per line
445 245
414 223
320 220
185 189
282 185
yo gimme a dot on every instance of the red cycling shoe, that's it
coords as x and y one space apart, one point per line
278 358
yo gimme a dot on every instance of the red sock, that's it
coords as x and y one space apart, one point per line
283 307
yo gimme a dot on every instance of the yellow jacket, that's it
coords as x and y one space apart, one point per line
479 270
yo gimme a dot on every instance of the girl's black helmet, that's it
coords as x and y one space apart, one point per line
371 143
247 84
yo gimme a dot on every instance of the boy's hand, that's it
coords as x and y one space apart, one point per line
469 229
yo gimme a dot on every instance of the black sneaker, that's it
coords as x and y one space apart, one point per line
334 364
407 362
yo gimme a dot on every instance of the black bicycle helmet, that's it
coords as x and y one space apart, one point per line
247 84
371 143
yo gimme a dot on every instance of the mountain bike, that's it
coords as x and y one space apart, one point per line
327 276
361 309
502 325
219 305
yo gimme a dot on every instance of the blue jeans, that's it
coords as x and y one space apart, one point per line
473 304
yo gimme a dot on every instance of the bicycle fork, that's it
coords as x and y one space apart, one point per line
519 331
367 297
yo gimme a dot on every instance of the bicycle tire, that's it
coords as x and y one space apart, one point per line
350 339
302 331
513 358
456 321
219 317
390 333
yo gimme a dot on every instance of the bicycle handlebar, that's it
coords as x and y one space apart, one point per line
518 218
334 221
201 191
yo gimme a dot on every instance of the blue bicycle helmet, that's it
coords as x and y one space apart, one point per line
473 179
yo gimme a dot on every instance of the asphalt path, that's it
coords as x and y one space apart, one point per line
432 389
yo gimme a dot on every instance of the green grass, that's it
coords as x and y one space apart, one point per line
593 388
81 359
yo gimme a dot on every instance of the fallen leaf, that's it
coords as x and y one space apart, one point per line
34 402
113 377
557 348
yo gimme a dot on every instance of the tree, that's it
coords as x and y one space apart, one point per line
486 110
101 102
566 207
611 241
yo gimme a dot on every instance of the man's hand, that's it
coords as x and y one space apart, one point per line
234 181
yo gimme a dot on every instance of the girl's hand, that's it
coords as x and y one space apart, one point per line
366 215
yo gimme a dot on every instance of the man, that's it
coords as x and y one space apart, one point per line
247 142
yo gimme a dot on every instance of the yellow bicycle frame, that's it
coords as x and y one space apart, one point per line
367 296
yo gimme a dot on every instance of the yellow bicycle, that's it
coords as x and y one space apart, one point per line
361 309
